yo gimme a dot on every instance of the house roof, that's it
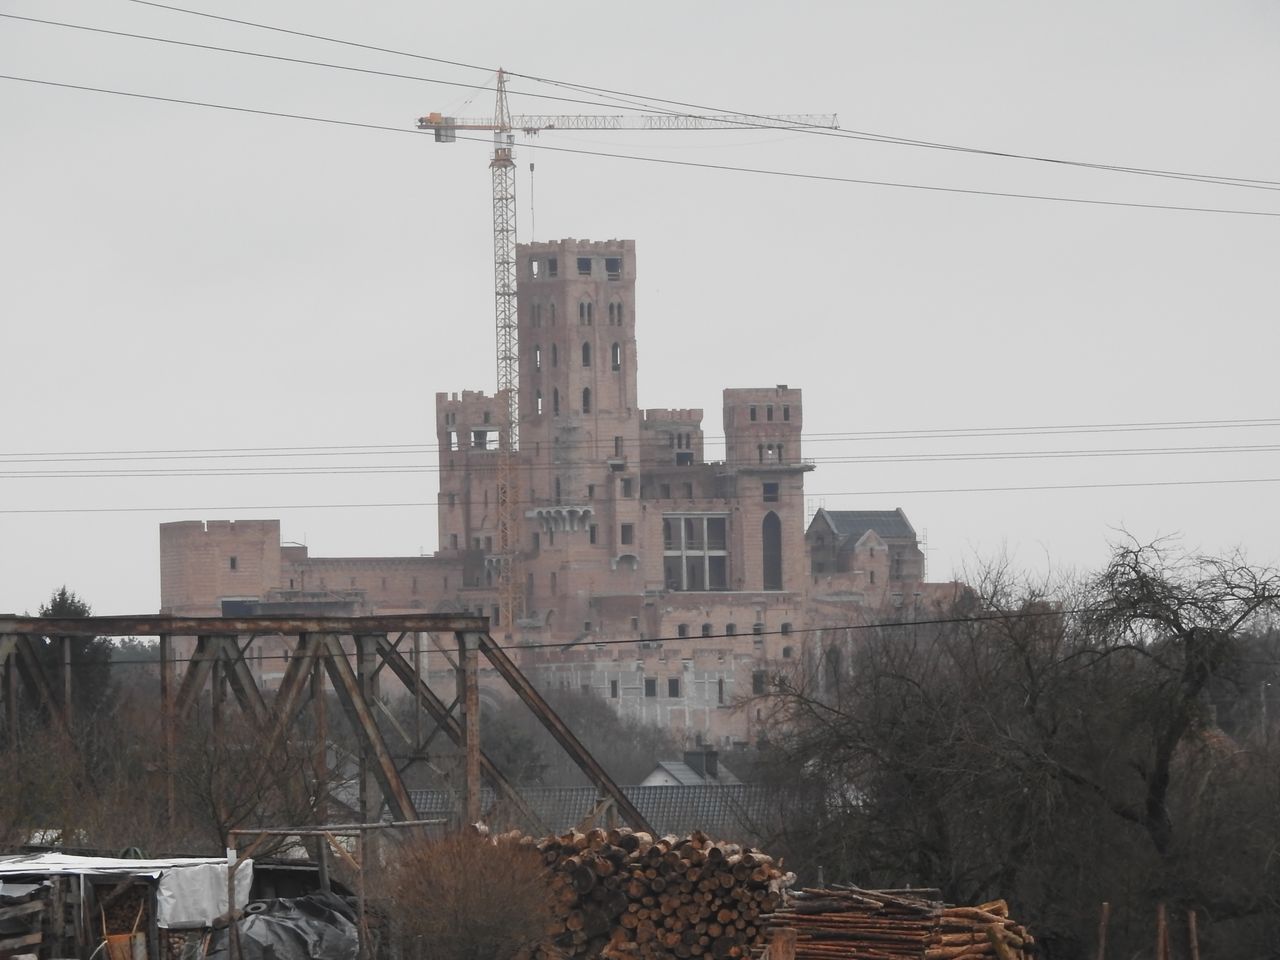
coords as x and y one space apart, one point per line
852 524
685 775
728 811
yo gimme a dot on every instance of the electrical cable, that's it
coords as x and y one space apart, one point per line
566 465
179 453
689 164
639 102
1118 485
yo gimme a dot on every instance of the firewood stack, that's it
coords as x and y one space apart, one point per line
849 923
624 895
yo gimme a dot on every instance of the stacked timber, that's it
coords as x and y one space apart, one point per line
849 923
626 895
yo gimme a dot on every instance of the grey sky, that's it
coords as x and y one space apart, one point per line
177 277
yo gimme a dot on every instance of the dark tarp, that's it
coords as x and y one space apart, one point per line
316 927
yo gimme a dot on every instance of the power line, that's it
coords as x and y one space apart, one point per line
618 641
260 508
639 102
334 449
688 164
565 465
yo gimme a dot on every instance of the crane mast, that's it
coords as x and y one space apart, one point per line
502 170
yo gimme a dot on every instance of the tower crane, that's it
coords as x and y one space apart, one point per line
504 125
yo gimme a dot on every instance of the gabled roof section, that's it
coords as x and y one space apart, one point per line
725 811
852 524
686 776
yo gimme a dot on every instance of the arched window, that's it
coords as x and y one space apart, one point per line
589 312
759 446
615 356
555 403
586 354
611 312
557 489
555 355
586 399
618 316
771 544
537 357
553 314
537 400
582 313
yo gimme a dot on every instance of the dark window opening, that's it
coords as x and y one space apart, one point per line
706 629
673 687
232 562
684 458
586 354
753 414
555 403
758 682
555 355
650 686
613 268
664 491
682 630
592 532
586 399
553 266
730 629
628 487
617 446
480 439
785 629
771 549
770 493
627 534
584 266
613 689
768 413
786 653
720 691
786 413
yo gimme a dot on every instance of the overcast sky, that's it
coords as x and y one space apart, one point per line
181 278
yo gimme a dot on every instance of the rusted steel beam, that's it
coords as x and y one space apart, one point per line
154 626
469 695
33 675
242 683
588 764
347 686
196 675
446 721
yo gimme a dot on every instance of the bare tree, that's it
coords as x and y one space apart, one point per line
1054 743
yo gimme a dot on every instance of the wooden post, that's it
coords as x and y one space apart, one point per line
321 761
1162 932
1103 919
166 721
66 681
1193 935
363 681
11 694
469 697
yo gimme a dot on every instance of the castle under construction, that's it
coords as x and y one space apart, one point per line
666 582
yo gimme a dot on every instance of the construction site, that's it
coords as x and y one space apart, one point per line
826 753
612 884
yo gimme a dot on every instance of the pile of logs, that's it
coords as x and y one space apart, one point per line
625 895
848 923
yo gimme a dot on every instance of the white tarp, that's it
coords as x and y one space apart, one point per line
192 890
191 896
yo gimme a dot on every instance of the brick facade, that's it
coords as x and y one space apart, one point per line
629 532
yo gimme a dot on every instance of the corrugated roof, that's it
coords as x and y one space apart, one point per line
852 524
737 812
